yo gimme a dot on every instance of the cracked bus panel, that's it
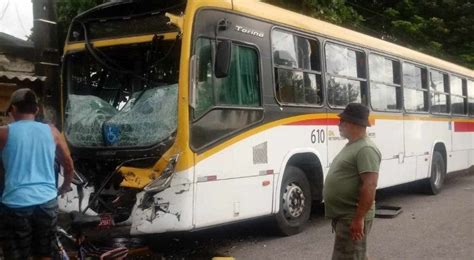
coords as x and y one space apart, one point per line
121 77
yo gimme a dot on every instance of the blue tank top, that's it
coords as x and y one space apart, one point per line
28 158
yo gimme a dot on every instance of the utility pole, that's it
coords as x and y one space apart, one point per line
47 55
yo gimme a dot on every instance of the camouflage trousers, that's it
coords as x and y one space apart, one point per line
344 247
29 230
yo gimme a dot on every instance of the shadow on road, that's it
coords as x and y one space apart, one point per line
218 241
212 242
416 188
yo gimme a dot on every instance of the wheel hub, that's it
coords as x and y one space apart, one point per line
293 201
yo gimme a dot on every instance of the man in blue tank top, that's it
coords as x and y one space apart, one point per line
3 229
29 149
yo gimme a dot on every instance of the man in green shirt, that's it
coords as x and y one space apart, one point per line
349 188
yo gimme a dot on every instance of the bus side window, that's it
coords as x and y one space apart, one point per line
205 92
415 88
470 93
458 95
346 75
241 87
297 69
283 47
385 89
439 92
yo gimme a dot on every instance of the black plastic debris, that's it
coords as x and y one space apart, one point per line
387 211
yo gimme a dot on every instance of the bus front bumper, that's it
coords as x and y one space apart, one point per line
167 211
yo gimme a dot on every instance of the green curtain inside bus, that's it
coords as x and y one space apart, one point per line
239 88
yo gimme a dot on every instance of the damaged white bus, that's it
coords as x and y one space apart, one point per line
183 115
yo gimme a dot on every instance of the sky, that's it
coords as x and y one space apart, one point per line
16 17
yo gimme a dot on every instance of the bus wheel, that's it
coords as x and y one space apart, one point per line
438 173
295 202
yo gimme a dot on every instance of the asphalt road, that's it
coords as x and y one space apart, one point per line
430 227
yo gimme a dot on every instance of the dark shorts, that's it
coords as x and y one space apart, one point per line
344 247
3 225
30 230
3 230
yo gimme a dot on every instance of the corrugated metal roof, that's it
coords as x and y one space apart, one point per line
8 40
21 76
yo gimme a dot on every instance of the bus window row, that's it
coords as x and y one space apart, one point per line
394 84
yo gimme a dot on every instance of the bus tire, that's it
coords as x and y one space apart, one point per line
438 172
295 202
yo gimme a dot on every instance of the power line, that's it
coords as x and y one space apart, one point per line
5 9
366 9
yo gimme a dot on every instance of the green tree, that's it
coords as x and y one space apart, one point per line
68 9
334 11
442 28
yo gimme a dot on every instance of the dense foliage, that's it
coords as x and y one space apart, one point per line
442 28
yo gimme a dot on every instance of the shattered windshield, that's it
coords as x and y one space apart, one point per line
135 105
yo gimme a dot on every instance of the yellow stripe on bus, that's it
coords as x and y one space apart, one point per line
257 130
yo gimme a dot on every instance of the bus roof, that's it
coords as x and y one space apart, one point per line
278 15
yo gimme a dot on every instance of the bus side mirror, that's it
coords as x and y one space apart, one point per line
223 56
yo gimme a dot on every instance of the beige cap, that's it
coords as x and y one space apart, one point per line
20 96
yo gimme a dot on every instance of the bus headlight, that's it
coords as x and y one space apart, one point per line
164 180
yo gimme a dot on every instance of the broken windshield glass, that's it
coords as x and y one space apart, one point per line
106 107
91 121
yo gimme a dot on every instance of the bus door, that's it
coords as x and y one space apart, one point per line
387 133
233 178
387 128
